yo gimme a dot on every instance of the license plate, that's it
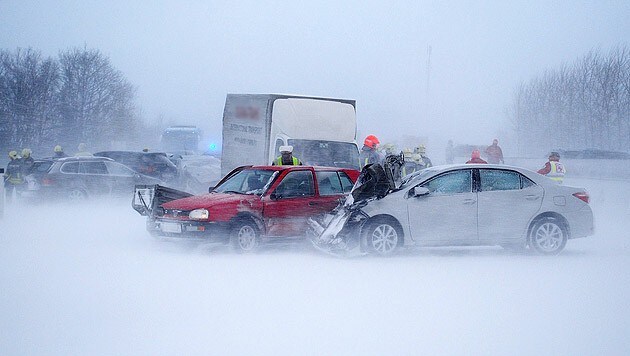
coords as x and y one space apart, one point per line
171 227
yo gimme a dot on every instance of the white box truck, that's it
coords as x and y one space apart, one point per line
322 131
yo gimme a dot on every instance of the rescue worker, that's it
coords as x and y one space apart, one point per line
82 150
59 153
411 162
475 157
286 157
368 154
13 179
26 162
553 168
494 153
389 149
450 152
422 151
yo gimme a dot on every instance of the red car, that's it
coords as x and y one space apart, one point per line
248 205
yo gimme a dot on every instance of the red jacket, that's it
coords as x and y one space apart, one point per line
494 153
476 160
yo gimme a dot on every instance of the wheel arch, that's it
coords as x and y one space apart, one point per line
249 216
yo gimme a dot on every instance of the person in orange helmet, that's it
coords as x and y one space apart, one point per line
369 154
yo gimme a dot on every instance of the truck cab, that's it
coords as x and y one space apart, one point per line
322 131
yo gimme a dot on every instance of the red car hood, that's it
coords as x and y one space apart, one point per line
208 201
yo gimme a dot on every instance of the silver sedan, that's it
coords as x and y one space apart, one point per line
462 205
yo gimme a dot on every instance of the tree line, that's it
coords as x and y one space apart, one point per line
581 105
76 97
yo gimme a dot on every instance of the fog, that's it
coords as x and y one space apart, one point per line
90 280
184 57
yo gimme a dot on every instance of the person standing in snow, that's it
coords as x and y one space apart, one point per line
494 153
368 154
13 179
553 168
286 157
475 157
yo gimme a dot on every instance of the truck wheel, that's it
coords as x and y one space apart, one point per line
244 236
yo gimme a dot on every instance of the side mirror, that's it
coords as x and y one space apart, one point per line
419 192
210 189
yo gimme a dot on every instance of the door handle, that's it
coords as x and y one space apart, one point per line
532 197
469 201
312 203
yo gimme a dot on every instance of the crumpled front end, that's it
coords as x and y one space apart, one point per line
339 232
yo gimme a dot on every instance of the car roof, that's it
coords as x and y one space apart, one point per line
85 159
435 170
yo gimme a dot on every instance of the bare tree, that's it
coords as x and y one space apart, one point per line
586 104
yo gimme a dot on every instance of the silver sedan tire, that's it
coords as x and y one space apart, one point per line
382 238
548 237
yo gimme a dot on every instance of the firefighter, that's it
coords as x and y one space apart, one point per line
368 153
13 179
475 157
59 153
411 162
286 157
82 150
553 168
26 162
422 151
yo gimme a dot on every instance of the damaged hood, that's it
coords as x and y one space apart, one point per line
376 180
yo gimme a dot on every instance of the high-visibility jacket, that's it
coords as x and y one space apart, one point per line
557 171
13 174
295 161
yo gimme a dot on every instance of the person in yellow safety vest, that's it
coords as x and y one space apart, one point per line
286 157
13 179
411 162
422 151
553 168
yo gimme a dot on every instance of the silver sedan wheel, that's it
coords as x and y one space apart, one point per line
383 239
548 237
246 237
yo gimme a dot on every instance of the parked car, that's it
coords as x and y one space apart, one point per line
78 178
457 205
250 205
153 164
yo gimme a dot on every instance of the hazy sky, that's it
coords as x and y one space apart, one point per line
184 56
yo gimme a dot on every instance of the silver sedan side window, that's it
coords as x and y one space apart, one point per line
451 183
498 179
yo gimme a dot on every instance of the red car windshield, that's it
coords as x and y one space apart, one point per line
247 181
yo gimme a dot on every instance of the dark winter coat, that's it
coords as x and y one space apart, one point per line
369 156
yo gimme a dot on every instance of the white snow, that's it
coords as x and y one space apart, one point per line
90 280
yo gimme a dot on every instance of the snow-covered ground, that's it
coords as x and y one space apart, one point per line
90 280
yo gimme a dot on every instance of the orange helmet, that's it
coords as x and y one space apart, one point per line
369 143
475 154
374 139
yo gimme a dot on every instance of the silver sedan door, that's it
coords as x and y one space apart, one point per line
448 214
507 202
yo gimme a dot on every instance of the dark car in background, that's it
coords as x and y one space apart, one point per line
153 164
79 178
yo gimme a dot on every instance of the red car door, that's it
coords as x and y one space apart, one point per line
291 203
